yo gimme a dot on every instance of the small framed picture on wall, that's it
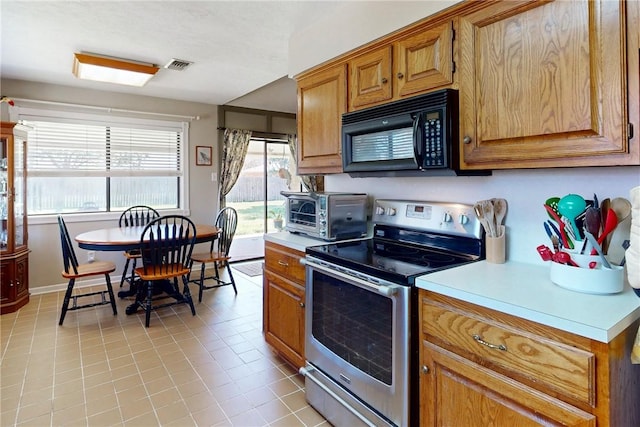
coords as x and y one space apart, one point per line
203 155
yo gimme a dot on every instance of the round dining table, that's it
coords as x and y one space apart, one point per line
128 238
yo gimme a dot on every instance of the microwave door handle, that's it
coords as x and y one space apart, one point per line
418 139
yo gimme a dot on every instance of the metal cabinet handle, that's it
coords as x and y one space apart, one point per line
479 339
282 263
425 369
302 304
400 75
466 139
11 283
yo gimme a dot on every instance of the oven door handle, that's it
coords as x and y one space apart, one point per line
386 290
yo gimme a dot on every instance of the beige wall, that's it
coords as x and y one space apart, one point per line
45 258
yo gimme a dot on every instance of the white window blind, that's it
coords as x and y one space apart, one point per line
89 163
68 149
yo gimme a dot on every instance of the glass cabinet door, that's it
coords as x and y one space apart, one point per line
18 193
4 194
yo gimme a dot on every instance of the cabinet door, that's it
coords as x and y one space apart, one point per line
370 78
22 278
284 317
322 100
457 392
7 283
424 61
543 84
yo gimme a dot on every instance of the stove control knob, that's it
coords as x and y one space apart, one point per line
379 210
463 219
391 211
446 217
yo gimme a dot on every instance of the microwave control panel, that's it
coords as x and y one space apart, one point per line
435 148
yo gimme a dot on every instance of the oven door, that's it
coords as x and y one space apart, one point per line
302 215
357 340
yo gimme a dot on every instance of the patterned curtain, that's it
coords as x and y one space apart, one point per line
310 182
236 143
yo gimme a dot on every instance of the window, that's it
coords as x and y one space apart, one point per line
87 163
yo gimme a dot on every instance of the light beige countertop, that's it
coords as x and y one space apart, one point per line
526 291
301 242
298 242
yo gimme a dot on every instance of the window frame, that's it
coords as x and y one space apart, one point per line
21 113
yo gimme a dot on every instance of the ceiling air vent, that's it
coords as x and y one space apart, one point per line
178 64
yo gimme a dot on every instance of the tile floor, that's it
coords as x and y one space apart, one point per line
214 369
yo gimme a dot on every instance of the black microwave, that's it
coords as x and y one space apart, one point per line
413 137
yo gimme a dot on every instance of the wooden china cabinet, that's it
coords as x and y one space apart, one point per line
14 252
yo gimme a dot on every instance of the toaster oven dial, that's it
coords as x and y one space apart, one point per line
446 217
463 219
391 211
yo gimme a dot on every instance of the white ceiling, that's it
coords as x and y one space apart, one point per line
237 47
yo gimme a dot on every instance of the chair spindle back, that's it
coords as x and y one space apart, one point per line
68 254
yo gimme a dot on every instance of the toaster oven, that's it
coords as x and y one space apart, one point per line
326 216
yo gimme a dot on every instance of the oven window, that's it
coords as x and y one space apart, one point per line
355 324
302 212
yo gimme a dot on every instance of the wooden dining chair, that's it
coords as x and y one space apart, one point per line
134 216
166 246
73 270
218 255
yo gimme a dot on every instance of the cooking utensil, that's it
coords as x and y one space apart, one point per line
564 258
610 225
552 202
565 242
598 248
604 209
487 211
545 253
592 221
571 206
499 210
554 238
483 220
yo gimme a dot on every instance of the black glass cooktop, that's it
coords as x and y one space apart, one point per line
397 262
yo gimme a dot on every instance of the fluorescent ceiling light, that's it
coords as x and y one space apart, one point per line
112 70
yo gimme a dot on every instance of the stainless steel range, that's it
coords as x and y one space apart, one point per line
361 309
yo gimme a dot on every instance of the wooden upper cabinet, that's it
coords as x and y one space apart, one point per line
413 64
322 100
370 78
544 84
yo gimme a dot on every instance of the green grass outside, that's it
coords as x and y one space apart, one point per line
251 216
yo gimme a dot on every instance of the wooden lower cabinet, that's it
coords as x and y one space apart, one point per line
14 282
283 297
479 367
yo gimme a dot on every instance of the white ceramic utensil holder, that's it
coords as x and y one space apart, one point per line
598 280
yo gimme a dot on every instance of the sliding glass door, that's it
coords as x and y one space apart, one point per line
268 169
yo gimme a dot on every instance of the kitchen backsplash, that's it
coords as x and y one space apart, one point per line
524 190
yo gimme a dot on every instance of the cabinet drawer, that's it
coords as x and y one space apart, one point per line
284 261
543 363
